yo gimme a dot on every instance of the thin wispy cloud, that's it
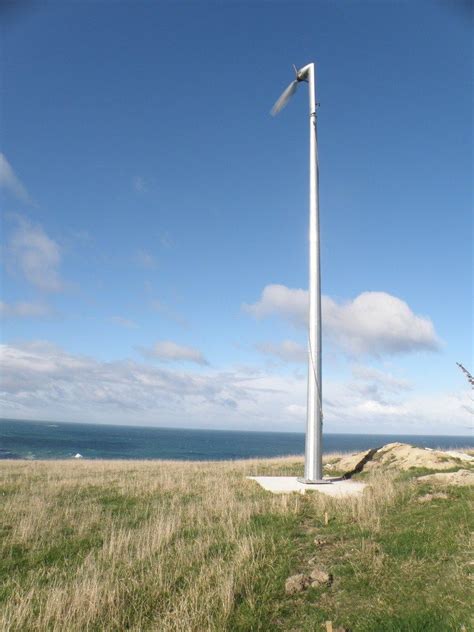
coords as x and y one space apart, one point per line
139 184
287 350
35 255
41 380
145 259
123 322
166 240
169 313
389 382
23 309
374 323
169 351
379 390
82 237
11 182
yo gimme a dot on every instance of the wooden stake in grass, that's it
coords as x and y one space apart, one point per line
328 626
326 518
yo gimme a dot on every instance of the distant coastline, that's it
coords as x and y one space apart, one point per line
35 440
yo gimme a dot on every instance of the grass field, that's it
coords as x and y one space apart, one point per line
169 546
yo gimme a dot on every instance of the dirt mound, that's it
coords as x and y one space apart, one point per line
400 456
461 477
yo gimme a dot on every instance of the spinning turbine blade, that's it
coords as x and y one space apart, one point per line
284 98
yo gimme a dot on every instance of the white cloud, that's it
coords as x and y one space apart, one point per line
166 240
375 391
296 410
372 408
171 352
374 323
378 323
10 181
124 322
139 184
23 309
289 303
388 381
42 381
36 255
168 312
287 350
145 259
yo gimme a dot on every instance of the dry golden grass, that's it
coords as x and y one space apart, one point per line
182 546
130 545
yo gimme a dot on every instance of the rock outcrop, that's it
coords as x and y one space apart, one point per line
401 456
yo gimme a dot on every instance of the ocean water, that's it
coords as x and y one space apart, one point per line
53 440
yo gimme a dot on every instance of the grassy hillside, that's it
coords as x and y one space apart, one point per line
195 547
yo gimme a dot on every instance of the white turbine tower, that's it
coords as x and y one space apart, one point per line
313 468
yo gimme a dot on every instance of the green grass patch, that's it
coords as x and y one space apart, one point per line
409 573
398 563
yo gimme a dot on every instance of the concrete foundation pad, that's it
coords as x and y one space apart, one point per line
289 484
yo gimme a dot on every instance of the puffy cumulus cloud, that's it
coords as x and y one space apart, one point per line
43 381
35 255
169 351
24 309
10 181
378 323
287 350
374 323
290 303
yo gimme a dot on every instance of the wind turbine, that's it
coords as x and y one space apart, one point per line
313 466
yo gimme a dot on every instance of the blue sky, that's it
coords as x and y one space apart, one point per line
155 216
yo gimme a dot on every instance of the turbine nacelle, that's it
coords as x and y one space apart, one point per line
301 74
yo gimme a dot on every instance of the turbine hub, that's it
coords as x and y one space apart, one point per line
302 74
